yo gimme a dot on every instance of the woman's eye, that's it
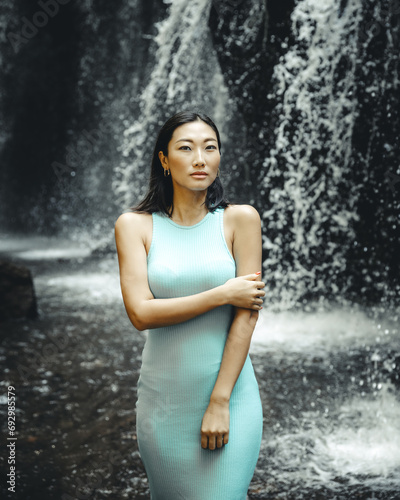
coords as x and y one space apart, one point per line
187 148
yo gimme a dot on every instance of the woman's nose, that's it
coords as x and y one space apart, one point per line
198 160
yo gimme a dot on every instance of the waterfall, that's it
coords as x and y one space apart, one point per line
311 206
187 76
305 94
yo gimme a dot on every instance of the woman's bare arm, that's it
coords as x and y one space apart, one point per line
247 248
143 309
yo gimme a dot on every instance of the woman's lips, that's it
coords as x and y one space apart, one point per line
199 175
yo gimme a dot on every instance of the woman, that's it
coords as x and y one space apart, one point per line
179 251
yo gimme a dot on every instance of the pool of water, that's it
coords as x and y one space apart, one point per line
329 383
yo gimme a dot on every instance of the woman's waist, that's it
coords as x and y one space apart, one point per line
175 352
184 379
217 321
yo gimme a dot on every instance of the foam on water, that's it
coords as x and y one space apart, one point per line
299 331
362 444
372 446
53 253
42 248
93 287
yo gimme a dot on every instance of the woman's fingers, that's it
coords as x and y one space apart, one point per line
252 276
259 294
211 442
208 441
214 441
222 440
215 425
260 284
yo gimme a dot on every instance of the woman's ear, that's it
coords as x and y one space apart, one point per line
163 159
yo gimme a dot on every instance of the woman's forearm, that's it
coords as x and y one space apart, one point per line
237 346
157 313
146 312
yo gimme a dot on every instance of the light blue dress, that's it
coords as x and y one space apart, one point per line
180 365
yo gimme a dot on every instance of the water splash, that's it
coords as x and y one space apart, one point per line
35 248
358 445
373 446
320 332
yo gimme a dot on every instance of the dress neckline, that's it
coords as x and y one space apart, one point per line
180 226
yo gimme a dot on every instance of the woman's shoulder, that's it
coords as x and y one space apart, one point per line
240 215
133 221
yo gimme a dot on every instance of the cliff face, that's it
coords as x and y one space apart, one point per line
306 96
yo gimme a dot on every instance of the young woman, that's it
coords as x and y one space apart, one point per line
190 273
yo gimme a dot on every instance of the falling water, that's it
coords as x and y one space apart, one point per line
310 185
314 148
186 75
312 206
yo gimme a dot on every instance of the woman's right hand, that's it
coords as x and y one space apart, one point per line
245 291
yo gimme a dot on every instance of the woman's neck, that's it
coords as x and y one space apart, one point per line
189 209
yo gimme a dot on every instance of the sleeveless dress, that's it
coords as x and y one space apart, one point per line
180 365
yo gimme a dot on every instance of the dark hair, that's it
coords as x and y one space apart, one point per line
159 197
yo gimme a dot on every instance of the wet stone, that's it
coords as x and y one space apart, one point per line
17 294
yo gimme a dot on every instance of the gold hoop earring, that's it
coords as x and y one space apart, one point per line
167 172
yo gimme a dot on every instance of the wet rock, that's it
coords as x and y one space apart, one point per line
17 294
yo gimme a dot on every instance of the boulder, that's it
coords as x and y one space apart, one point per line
17 294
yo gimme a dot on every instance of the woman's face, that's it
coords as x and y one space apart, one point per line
193 156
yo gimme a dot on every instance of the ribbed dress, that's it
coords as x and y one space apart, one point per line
180 365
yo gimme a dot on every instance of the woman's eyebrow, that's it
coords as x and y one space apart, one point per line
190 140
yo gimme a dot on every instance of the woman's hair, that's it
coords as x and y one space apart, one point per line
159 197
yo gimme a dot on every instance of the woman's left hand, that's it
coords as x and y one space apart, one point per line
215 425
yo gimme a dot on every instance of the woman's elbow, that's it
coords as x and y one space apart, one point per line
137 320
138 325
137 312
